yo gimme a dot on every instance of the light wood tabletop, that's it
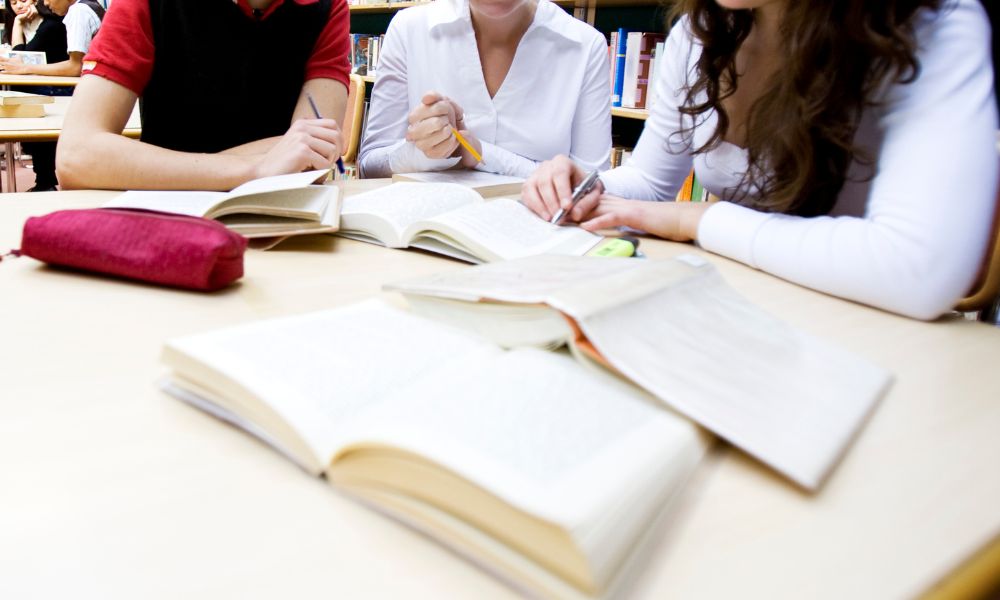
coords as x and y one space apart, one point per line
112 489
9 79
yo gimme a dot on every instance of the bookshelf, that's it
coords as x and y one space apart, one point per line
383 7
630 113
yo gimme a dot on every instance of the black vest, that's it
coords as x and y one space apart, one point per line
220 78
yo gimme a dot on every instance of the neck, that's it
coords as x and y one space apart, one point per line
505 29
767 21
260 4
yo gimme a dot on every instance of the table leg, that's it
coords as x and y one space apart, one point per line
11 179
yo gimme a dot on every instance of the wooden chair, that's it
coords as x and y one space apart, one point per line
984 293
351 126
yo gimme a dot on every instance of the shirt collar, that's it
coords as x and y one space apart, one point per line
547 17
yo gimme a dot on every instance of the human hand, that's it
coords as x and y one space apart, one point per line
550 188
308 144
676 221
28 15
14 66
430 125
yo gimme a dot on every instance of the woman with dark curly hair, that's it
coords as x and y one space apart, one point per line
852 144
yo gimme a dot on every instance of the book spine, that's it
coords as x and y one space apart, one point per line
657 57
633 45
621 41
697 192
684 194
644 74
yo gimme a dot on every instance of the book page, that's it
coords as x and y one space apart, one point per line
318 371
275 183
675 328
504 229
307 203
195 204
792 400
532 280
467 177
398 205
536 429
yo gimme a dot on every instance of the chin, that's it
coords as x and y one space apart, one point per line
740 4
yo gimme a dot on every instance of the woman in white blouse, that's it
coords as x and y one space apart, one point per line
521 80
852 144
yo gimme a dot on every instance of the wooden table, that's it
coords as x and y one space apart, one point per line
111 489
47 129
8 79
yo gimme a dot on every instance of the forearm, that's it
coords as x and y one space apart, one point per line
400 157
255 148
66 68
504 162
104 160
17 34
891 263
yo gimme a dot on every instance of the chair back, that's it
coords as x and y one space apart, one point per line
351 126
987 285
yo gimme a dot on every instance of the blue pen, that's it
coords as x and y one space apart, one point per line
312 103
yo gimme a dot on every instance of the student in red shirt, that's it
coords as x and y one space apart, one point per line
222 87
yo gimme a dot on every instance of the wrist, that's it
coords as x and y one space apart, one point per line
690 219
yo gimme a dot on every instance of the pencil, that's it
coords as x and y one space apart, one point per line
465 144
312 103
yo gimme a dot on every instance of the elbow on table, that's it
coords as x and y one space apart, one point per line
927 290
74 168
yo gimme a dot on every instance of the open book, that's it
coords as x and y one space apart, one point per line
544 471
487 185
269 207
453 220
676 329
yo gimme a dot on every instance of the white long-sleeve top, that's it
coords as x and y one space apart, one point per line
910 239
554 100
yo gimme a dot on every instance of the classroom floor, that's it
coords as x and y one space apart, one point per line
23 174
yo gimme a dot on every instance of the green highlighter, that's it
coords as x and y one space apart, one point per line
615 247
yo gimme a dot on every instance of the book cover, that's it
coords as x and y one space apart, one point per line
619 62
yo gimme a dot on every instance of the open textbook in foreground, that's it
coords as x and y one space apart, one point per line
453 220
269 207
676 329
487 185
546 472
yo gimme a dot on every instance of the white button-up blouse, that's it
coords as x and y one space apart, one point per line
554 100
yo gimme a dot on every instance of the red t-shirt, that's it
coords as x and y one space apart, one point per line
123 50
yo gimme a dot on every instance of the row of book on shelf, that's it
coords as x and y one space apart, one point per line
633 56
365 52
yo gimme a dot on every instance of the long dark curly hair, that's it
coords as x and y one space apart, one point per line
799 133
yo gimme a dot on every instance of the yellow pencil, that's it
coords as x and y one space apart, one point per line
465 144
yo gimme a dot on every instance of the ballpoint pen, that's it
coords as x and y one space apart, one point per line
312 103
581 190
